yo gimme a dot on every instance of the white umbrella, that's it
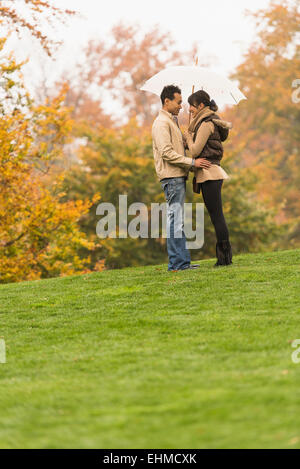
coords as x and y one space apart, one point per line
222 90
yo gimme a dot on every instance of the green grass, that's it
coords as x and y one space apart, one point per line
142 358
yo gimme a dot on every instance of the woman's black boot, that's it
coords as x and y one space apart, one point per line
223 253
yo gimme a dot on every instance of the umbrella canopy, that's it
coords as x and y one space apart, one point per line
222 90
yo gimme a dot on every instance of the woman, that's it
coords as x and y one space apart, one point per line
204 140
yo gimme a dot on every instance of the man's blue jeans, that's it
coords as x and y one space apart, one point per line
179 256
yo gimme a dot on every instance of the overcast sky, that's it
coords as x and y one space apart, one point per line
219 27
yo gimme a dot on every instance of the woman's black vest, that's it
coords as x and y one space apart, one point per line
213 149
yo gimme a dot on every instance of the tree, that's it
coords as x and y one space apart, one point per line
268 122
36 10
116 68
39 233
116 162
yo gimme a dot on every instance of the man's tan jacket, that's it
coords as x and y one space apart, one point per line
168 148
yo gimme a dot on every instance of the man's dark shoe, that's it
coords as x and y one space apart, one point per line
223 253
191 267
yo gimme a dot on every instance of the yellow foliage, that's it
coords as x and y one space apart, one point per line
39 233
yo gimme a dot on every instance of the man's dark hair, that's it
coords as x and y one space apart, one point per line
168 92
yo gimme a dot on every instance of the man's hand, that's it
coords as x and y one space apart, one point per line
202 163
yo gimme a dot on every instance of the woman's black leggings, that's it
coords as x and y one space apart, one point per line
211 192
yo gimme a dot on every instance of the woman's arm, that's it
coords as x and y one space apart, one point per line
205 130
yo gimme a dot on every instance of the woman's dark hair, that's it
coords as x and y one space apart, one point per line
168 92
202 97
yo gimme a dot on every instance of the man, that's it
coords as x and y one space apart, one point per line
172 168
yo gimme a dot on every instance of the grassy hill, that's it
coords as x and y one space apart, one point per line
142 358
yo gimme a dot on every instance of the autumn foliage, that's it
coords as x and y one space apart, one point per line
35 10
268 122
39 234
117 68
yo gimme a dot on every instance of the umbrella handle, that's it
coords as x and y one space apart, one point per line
193 89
